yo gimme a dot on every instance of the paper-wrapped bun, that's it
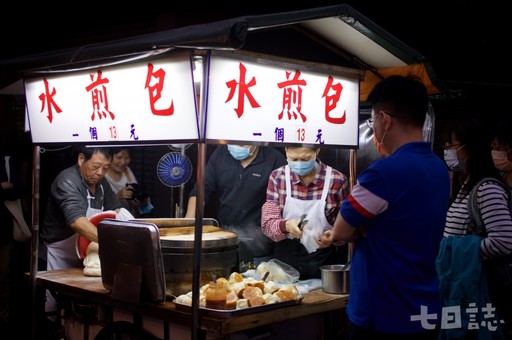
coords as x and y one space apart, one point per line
286 294
184 299
269 298
238 288
242 303
95 271
231 300
251 291
262 269
235 277
271 287
256 301
259 284
92 265
93 247
124 215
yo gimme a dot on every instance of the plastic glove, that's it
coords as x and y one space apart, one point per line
292 227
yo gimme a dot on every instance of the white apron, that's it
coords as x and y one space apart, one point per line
293 251
315 210
62 254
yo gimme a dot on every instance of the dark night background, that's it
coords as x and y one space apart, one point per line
466 43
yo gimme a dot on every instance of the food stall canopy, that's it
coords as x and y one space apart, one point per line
336 35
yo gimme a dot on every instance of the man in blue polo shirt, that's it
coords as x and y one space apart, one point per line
395 215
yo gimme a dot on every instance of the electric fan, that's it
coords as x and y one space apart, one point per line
174 169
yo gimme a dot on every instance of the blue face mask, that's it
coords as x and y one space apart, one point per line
302 168
239 152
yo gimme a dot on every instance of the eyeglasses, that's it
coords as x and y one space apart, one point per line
369 121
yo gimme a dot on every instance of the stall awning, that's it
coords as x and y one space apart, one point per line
336 35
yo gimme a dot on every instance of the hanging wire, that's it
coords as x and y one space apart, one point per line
43 150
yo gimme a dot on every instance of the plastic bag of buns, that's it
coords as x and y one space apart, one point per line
278 271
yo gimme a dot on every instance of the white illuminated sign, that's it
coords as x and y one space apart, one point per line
280 103
141 102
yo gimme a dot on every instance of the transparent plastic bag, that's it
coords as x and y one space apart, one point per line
278 271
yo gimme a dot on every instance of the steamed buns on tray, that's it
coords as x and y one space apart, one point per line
245 292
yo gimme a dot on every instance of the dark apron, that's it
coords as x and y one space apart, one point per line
292 252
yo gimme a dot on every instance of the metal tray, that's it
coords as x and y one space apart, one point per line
225 313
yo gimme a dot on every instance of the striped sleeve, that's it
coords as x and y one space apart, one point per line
270 219
366 202
361 205
492 201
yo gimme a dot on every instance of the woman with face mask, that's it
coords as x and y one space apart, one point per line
468 155
502 149
303 198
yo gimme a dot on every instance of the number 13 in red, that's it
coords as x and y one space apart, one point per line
301 134
113 132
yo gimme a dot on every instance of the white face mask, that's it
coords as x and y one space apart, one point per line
452 161
500 159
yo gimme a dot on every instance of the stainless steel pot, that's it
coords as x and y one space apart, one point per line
219 254
335 278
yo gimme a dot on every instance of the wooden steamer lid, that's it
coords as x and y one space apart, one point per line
177 234
212 238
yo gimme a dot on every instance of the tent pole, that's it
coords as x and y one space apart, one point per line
35 236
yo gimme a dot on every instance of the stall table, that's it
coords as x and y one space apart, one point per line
73 284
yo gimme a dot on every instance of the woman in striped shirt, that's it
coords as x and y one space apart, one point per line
467 154
502 149
462 279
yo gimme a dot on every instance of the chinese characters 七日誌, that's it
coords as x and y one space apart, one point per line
451 317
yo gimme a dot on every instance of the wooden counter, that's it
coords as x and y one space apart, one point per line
73 283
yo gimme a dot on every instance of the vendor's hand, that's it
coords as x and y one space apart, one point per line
292 227
325 239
